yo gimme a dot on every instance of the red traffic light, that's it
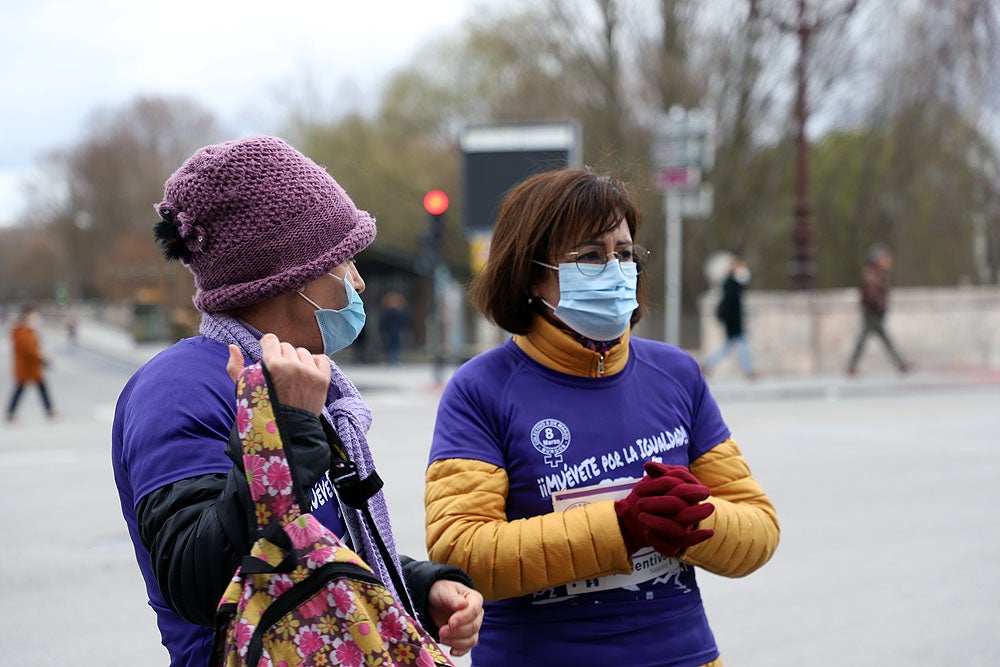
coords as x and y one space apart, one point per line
435 202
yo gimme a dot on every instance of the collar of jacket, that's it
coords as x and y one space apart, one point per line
557 349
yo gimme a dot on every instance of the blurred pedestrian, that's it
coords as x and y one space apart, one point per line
29 362
270 237
729 312
72 328
874 292
391 325
579 473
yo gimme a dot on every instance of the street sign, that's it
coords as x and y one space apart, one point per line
684 138
697 203
676 178
683 147
675 152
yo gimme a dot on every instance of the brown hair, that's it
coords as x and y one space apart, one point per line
542 217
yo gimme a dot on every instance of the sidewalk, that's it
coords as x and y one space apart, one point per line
834 386
116 344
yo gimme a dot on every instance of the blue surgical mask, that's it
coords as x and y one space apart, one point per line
340 328
597 307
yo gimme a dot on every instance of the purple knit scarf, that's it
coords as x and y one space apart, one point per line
351 418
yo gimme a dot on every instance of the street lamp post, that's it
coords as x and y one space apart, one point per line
803 264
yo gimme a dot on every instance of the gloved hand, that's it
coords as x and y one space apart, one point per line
662 510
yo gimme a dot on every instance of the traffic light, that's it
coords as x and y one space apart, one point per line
435 203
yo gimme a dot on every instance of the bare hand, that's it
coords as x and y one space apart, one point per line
457 610
300 378
235 364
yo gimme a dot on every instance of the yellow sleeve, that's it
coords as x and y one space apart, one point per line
467 526
745 523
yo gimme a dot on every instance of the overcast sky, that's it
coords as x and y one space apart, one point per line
63 59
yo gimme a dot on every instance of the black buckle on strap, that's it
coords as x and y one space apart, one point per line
351 489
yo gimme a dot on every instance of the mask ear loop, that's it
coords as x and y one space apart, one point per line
531 299
316 305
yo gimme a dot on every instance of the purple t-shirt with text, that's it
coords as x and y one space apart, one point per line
553 432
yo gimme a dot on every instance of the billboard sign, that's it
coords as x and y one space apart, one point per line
497 157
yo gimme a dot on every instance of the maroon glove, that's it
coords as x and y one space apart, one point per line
662 510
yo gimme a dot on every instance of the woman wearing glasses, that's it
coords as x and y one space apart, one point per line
577 473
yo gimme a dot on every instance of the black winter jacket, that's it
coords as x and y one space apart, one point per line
730 308
198 529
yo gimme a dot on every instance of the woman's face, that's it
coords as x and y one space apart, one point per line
329 293
548 287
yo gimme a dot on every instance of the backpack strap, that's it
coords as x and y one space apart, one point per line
355 492
265 459
269 475
352 490
274 534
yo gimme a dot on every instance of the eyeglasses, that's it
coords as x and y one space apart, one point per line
591 259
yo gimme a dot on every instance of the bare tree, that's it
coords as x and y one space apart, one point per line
32 264
930 182
96 196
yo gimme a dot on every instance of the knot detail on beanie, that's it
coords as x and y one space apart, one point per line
255 218
177 236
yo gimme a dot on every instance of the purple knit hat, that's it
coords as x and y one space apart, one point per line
254 218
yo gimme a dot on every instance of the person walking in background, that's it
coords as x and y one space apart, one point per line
270 237
29 363
874 290
72 329
730 313
391 325
581 474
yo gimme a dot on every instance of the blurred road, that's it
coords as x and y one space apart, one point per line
883 484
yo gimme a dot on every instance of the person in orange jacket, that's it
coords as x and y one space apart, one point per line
29 363
579 473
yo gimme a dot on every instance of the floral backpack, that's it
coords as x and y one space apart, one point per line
302 597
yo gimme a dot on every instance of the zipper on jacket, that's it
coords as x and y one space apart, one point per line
600 364
298 594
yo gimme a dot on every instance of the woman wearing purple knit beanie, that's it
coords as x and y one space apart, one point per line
270 238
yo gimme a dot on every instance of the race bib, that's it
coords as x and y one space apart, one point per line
647 563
